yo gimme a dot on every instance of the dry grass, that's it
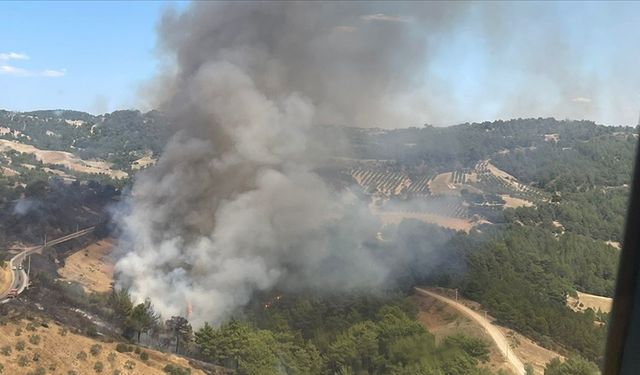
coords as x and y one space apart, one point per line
442 320
512 202
58 353
442 184
528 351
5 277
395 217
66 159
585 301
143 162
9 172
91 267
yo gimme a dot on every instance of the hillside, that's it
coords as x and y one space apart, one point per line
519 215
42 347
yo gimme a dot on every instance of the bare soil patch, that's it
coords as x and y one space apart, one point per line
5 276
91 267
395 217
143 162
66 159
512 202
443 184
615 244
586 300
442 320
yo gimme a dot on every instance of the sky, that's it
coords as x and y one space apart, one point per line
498 61
89 56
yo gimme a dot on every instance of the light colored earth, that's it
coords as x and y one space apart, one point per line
59 173
442 320
499 173
9 172
91 267
58 353
615 244
586 300
143 162
395 217
499 339
442 184
5 276
512 202
528 351
66 159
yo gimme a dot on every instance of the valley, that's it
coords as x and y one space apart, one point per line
477 218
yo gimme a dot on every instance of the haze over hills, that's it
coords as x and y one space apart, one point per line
458 207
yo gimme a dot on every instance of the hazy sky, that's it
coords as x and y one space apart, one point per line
495 60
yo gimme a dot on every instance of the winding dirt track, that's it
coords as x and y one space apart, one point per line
494 332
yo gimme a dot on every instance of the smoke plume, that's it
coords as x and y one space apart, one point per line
234 204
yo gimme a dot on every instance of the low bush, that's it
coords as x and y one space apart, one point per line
96 349
98 367
23 361
34 339
176 370
123 348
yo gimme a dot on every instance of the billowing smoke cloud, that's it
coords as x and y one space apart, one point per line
234 204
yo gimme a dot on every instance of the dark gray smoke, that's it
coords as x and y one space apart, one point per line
234 205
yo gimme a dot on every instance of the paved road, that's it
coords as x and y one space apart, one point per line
494 332
19 277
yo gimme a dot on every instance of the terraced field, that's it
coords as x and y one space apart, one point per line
388 183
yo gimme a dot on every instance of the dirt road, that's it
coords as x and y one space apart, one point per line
494 332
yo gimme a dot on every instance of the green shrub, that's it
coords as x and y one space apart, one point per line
18 331
23 361
137 351
176 370
129 365
144 356
34 339
62 331
31 327
117 372
1 368
36 357
95 349
111 357
6 350
40 371
20 345
72 372
123 348
98 367
82 356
